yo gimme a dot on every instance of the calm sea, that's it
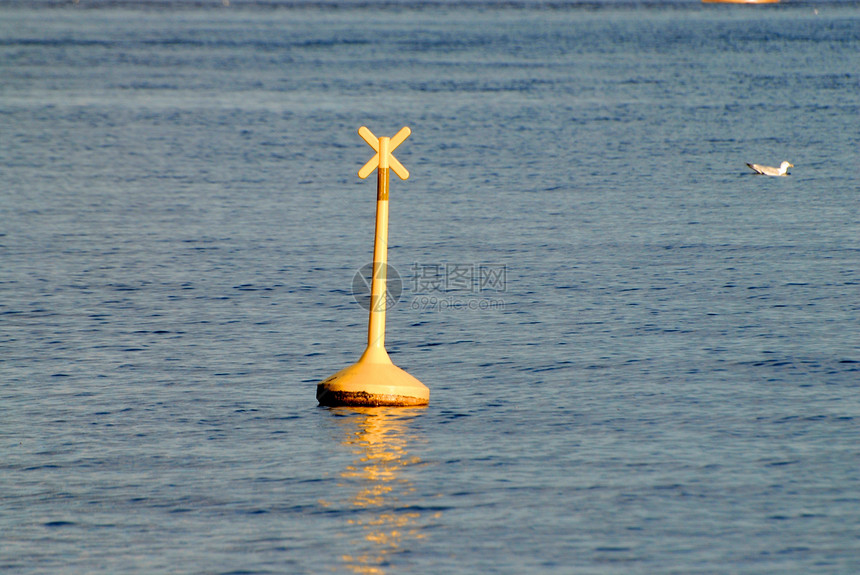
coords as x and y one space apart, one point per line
642 357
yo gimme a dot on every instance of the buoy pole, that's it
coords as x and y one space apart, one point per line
379 282
374 380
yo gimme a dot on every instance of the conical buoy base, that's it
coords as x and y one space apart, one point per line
373 381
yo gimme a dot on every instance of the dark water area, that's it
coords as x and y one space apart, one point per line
642 357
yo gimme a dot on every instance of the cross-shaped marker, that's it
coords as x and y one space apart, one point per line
383 148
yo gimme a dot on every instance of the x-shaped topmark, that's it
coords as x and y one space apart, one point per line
383 147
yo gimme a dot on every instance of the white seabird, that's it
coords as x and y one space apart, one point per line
782 170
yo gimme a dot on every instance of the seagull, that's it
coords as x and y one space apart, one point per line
782 170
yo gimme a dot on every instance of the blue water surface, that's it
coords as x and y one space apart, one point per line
642 357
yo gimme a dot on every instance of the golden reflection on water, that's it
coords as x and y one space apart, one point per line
379 438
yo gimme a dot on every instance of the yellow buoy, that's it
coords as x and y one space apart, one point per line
374 380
